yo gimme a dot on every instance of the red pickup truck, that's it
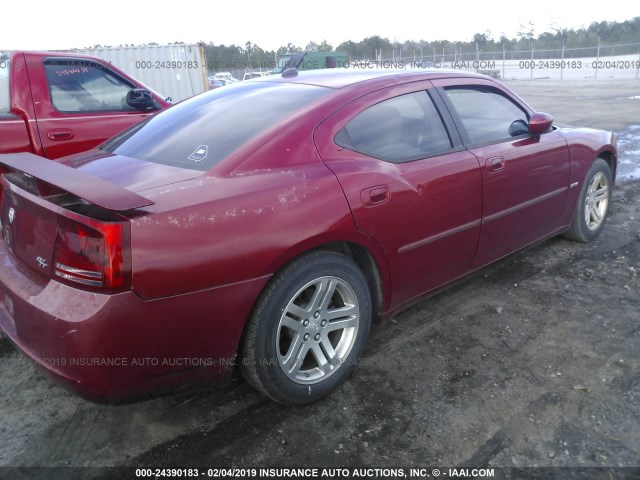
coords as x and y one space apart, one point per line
55 104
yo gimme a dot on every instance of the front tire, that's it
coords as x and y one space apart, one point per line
593 204
308 329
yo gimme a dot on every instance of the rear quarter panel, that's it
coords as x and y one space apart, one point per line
210 231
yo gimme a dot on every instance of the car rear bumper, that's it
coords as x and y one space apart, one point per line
113 348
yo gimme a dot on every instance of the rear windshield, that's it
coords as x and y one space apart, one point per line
200 132
5 63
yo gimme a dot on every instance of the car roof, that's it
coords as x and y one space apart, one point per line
344 77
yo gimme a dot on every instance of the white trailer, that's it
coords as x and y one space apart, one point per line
174 71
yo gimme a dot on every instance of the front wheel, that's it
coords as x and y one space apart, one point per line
593 203
308 329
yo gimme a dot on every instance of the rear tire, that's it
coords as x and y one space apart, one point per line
308 329
591 211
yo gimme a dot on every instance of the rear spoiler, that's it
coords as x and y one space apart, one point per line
92 189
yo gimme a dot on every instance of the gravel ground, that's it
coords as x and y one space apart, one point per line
533 362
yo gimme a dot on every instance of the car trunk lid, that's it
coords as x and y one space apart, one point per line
29 231
133 174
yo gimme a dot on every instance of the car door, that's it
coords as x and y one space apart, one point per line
525 177
410 184
78 103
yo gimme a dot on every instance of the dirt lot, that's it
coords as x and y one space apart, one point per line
533 362
607 104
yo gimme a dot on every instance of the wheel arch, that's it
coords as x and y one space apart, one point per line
365 260
612 160
366 254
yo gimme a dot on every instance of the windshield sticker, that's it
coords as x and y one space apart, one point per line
71 71
200 153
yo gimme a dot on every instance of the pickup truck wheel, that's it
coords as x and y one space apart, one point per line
308 329
593 204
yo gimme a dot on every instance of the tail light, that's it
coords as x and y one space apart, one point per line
92 255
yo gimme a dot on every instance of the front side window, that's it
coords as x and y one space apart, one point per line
397 130
486 115
85 86
5 64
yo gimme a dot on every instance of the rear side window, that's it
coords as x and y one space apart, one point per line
486 114
401 129
201 131
5 64
85 86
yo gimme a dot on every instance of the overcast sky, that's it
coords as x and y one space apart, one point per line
37 24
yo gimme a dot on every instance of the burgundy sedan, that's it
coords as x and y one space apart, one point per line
188 247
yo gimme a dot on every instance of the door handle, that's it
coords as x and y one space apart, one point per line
375 195
60 134
495 164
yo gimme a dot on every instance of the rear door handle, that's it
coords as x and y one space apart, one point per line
375 195
495 164
60 134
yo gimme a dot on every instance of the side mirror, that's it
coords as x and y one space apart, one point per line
518 127
540 123
140 99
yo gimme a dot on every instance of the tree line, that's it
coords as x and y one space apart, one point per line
251 56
